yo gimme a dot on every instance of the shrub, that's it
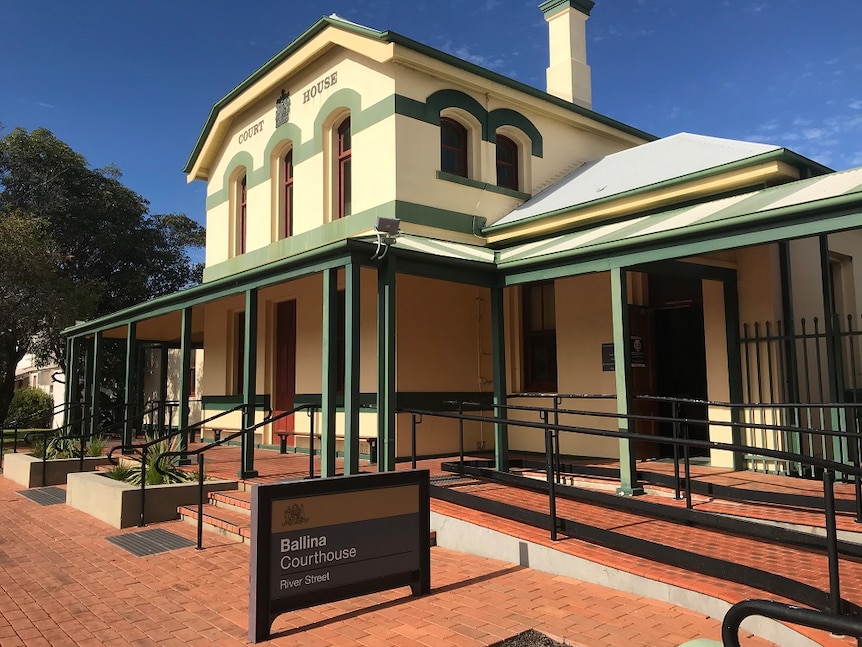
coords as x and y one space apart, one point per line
31 408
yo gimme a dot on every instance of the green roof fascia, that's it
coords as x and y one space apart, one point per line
333 255
299 41
793 221
781 155
398 39
553 7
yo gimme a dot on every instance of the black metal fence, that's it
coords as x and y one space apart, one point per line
815 362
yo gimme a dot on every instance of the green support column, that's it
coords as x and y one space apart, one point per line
249 390
98 350
734 363
329 372
87 408
498 344
185 368
622 366
164 418
132 391
386 365
71 393
351 367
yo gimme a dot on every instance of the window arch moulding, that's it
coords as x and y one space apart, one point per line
241 159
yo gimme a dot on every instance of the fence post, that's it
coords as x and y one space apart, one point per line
200 545
831 542
413 438
143 485
549 469
461 438
675 414
686 454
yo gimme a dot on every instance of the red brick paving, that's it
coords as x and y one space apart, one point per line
61 583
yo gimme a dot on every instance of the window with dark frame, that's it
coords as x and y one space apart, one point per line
288 194
242 215
540 338
343 164
507 163
192 379
453 147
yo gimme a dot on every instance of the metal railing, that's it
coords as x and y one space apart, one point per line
835 624
552 431
143 448
22 423
242 433
48 435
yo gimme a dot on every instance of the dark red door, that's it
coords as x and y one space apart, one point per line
285 364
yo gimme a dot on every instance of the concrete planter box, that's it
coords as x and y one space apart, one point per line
118 503
27 470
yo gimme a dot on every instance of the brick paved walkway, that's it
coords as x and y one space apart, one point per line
62 583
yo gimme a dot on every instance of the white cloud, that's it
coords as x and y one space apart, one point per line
42 104
756 7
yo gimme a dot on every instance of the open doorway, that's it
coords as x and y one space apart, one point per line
676 303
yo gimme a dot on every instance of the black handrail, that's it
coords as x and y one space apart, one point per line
552 430
200 451
836 624
142 448
60 433
16 425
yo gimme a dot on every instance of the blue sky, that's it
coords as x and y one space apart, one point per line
132 83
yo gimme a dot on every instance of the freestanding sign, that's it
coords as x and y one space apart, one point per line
324 540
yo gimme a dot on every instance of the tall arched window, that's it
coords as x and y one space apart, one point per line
507 163
287 163
453 147
343 149
241 215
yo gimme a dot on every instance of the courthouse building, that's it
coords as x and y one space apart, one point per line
390 226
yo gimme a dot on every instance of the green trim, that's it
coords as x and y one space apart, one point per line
392 37
240 159
553 7
508 117
224 402
442 99
340 229
779 155
796 221
485 186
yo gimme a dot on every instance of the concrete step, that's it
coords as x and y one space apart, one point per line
225 521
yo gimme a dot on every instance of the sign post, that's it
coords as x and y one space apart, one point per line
320 541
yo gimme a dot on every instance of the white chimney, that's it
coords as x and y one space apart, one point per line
568 75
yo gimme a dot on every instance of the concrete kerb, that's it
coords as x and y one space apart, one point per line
467 537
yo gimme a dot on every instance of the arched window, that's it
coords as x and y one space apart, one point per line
507 163
287 170
241 214
453 147
343 149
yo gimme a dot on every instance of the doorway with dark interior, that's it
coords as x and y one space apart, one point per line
676 303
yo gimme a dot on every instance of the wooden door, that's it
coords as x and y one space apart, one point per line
284 387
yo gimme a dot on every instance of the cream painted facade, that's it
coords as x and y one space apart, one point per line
686 242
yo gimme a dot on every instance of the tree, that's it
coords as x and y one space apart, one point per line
92 243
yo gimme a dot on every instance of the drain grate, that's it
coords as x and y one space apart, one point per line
150 542
45 495
454 479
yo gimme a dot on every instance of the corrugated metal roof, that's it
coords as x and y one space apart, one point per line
639 167
679 222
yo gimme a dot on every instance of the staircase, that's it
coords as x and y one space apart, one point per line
228 513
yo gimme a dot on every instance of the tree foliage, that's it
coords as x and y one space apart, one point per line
80 245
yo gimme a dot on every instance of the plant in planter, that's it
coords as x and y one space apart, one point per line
130 470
